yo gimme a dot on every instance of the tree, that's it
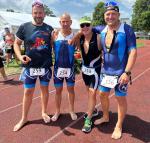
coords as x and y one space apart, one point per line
98 14
48 11
140 17
10 10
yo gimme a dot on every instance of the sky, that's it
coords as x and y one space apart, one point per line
76 8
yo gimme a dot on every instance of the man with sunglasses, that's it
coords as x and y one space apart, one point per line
89 44
37 60
119 53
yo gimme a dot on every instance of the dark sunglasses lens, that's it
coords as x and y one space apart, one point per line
85 24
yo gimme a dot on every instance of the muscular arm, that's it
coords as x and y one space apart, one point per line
131 60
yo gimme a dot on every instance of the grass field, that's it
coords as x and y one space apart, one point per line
14 68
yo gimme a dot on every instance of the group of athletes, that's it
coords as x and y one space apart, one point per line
107 61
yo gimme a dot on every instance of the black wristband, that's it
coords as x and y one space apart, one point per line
128 73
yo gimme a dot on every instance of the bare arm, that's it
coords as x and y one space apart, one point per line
131 61
17 48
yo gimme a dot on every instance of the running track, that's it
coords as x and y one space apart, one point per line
136 126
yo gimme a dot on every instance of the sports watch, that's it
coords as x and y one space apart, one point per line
128 73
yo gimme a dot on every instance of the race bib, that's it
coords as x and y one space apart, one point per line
109 81
37 71
63 72
88 71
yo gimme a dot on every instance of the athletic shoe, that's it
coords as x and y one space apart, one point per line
87 125
95 113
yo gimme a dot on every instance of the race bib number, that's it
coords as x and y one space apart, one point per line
88 71
109 81
37 71
63 72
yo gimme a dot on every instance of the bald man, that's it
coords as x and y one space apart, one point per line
64 65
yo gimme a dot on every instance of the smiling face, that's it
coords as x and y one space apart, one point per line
111 17
38 14
85 28
65 21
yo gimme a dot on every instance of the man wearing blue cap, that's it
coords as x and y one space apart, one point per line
37 60
119 53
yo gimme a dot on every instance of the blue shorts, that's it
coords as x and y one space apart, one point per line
29 81
120 90
58 81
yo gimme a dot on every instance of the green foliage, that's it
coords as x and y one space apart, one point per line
48 11
98 14
140 17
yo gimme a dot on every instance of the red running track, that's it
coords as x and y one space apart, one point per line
136 126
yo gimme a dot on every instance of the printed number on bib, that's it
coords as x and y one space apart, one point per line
37 71
88 71
109 81
63 72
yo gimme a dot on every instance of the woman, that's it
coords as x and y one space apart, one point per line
89 45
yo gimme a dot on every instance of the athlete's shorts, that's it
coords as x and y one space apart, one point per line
93 80
58 81
120 90
1 63
29 81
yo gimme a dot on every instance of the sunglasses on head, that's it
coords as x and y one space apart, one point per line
85 24
111 3
37 3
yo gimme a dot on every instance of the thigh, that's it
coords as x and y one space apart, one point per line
58 82
121 90
29 81
71 79
44 79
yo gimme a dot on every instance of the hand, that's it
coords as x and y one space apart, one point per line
55 34
124 79
25 59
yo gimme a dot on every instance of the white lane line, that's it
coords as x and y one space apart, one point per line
7 109
74 122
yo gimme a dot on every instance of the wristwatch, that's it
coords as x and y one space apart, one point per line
128 73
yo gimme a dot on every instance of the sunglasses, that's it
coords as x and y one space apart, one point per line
111 3
85 24
37 3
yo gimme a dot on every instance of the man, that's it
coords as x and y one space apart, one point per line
9 41
64 65
89 44
37 60
119 53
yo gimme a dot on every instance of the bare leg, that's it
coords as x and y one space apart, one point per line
122 109
2 71
71 96
44 102
105 107
91 101
27 100
58 97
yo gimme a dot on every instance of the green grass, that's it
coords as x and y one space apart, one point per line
140 45
13 68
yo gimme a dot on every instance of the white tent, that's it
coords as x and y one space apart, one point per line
14 20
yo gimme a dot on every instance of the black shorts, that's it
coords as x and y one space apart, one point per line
93 80
1 63
10 51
